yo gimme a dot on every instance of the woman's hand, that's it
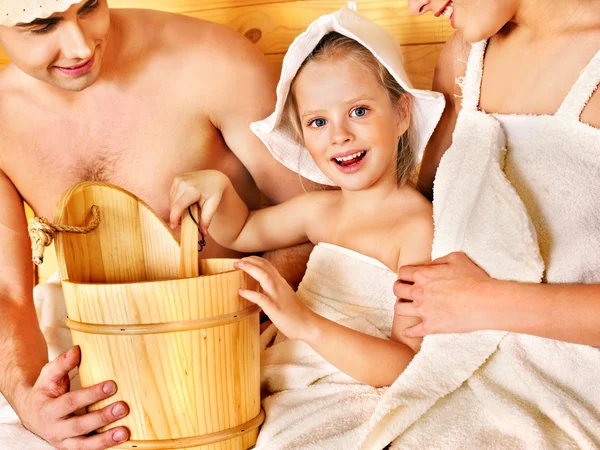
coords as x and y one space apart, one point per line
277 299
206 187
448 294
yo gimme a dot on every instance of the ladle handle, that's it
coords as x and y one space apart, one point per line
188 243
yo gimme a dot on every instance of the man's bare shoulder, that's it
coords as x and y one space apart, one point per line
211 62
204 43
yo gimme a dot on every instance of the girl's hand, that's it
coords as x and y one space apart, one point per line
447 294
205 187
277 299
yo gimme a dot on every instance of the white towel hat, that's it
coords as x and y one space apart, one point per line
427 106
13 12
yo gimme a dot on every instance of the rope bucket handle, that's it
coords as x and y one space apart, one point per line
41 232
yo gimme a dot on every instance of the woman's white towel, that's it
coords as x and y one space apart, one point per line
492 389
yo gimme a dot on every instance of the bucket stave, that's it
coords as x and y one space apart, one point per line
188 367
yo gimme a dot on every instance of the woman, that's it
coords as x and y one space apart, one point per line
534 67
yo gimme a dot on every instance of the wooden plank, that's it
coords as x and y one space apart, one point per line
419 61
274 26
182 6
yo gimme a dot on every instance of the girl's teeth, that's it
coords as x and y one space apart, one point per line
349 157
448 11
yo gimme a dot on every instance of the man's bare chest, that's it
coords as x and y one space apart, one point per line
140 154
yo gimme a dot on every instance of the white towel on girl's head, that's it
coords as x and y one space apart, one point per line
490 389
310 403
426 110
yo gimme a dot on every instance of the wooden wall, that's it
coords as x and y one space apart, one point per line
273 24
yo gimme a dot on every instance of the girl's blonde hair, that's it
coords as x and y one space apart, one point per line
335 45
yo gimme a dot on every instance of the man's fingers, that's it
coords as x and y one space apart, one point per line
86 423
55 371
73 401
101 441
406 308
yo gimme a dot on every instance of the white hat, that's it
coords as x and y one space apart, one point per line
427 106
13 12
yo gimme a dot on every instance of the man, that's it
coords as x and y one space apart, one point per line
129 97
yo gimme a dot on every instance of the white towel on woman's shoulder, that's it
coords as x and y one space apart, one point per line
489 389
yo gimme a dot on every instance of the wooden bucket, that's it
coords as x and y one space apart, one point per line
183 352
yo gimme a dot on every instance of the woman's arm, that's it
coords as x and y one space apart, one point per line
453 295
225 216
450 66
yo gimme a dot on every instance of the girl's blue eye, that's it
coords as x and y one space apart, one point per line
359 112
317 123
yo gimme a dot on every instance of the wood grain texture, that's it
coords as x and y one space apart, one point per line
419 61
132 243
183 6
187 384
178 384
278 24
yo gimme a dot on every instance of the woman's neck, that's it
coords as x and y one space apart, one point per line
543 19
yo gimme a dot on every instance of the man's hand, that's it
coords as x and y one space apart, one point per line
445 294
48 409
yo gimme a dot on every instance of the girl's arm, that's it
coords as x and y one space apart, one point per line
368 359
226 217
453 295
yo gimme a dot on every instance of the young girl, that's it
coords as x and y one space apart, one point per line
352 116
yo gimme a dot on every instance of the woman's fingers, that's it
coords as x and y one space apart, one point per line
416 331
406 308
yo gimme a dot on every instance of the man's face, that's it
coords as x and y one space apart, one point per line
65 49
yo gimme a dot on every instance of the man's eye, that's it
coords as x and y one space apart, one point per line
317 123
45 29
90 6
359 112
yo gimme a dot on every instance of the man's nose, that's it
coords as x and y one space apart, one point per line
418 7
74 45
